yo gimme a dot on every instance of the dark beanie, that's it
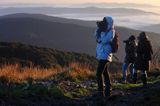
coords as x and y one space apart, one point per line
132 37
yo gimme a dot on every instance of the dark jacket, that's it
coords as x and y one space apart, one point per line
144 55
130 50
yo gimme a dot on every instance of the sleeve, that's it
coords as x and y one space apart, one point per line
127 48
97 33
108 37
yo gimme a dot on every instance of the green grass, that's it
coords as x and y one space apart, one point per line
76 82
40 92
125 86
79 92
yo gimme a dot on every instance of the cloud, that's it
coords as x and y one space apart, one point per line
153 2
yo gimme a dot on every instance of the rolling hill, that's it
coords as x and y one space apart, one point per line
26 55
34 56
152 28
50 18
58 33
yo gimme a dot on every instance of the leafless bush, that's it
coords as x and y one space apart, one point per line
156 59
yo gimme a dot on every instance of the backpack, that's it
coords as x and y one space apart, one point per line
115 43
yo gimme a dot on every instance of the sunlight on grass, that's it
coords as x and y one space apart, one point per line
15 73
80 71
74 81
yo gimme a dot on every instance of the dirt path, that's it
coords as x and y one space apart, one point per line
136 96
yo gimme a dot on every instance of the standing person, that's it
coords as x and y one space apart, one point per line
130 50
104 35
144 56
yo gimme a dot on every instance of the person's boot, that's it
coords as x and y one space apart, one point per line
144 79
135 78
98 94
108 91
131 69
124 82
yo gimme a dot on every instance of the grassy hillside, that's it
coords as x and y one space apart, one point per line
65 78
62 36
32 55
73 85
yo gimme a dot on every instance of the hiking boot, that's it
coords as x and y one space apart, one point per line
98 94
144 78
108 92
135 78
145 86
124 82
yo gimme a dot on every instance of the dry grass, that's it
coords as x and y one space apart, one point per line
15 73
80 71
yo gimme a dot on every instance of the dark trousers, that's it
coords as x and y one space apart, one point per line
143 77
124 70
102 72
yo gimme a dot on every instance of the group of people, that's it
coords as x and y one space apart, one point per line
138 55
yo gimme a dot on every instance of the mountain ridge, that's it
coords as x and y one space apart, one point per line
153 28
67 10
19 53
72 35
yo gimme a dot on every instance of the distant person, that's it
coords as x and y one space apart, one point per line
104 35
130 50
144 56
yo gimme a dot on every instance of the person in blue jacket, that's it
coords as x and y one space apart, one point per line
104 35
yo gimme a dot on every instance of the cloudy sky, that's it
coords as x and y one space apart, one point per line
153 2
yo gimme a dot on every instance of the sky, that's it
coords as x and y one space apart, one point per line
152 2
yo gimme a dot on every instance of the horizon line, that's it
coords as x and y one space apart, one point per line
143 4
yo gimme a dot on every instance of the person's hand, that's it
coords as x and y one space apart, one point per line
98 41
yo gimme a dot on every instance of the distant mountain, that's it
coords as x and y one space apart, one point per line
114 4
50 18
62 34
152 28
67 10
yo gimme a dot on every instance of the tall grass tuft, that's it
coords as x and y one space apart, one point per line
80 71
15 73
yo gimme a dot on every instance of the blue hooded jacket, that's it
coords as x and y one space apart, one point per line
103 49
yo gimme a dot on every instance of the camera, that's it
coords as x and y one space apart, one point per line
101 25
126 41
